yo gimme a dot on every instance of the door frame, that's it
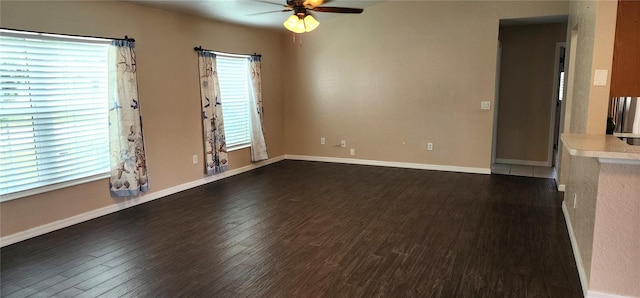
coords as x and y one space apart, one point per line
496 97
554 128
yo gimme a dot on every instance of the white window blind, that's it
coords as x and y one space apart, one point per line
233 75
53 111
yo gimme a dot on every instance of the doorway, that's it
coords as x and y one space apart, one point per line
528 103
559 99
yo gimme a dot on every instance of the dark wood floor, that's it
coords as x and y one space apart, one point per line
314 229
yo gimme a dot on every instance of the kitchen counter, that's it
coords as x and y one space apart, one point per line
606 148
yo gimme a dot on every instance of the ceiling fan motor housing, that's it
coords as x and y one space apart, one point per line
300 10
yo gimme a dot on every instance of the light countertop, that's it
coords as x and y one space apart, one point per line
603 147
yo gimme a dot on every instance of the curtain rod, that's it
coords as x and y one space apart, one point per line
127 38
200 49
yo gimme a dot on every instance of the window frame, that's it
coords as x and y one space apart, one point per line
75 181
247 101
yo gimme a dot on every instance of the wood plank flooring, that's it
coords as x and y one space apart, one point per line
307 229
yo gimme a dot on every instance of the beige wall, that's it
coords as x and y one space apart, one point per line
400 75
583 185
594 22
616 243
605 224
387 81
610 260
527 90
168 88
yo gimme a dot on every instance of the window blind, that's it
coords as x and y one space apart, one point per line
53 111
233 75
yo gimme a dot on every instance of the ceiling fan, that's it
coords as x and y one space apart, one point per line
302 20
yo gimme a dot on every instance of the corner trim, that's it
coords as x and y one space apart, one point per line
76 219
393 164
576 252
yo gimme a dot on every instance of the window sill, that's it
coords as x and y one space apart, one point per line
43 189
238 147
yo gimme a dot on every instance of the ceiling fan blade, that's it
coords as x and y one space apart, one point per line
337 9
266 12
272 3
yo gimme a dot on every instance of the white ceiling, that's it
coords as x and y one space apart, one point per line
239 11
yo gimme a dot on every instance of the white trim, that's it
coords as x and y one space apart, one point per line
393 164
66 222
63 223
522 162
594 294
561 187
239 147
576 251
496 104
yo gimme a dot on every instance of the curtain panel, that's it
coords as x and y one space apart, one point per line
258 145
126 144
215 147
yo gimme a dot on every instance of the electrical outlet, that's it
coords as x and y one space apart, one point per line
195 159
485 105
429 146
353 152
322 141
575 200
343 143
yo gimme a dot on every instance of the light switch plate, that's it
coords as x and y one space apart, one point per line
600 77
485 105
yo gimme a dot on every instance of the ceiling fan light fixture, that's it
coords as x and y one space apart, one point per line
299 24
310 23
294 24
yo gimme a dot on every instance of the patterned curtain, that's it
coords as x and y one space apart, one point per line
258 145
126 145
215 147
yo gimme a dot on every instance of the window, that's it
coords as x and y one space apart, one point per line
561 89
53 112
233 75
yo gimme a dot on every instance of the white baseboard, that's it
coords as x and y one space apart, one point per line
523 162
63 223
393 164
576 251
594 294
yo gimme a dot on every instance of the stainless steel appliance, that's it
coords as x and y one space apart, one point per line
625 112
